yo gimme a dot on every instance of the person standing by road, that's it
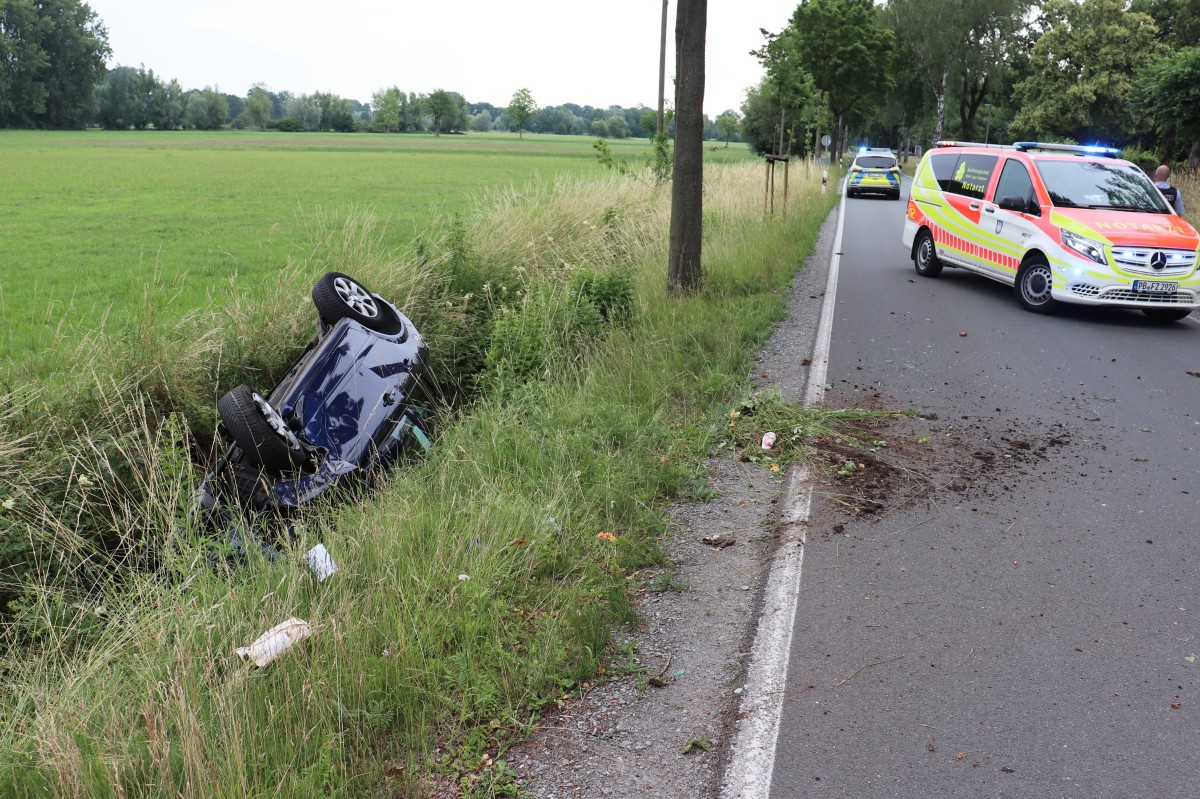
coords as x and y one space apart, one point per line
1162 179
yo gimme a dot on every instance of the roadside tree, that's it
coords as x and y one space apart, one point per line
728 124
52 55
168 106
684 268
385 118
521 109
842 46
1083 71
119 104
448 110
336 112
306 109
968 38
1170 95
1178 21
618 128
482 122
258 106
206 109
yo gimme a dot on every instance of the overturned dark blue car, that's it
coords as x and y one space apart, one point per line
352 404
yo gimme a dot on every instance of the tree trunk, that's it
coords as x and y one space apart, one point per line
687 186
1194 154
941 105
839 138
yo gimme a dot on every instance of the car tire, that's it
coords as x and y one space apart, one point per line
1167 314
259 430
1033 286
925 256
339 296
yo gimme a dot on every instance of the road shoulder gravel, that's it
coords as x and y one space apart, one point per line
659 724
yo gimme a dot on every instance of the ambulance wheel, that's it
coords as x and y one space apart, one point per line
1167 314
925 256
1033 286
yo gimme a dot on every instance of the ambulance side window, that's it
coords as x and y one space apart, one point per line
1015 182
971 176
943 169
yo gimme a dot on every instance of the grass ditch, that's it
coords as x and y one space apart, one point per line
477 586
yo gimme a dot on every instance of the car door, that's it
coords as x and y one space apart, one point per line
1009 219
964 190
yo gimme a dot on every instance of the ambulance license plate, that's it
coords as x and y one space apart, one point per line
1154 287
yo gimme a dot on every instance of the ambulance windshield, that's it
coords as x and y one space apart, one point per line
1081 183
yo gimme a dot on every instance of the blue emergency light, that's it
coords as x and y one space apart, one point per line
1078 149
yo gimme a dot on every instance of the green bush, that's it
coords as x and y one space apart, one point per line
1145 160
551 324
610 292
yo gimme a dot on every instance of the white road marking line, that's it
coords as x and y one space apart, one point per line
752 762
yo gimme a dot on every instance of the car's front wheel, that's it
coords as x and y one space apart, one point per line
339 296
1034 280
925 256
1167 314
259 430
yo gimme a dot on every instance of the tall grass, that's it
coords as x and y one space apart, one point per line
1188 182
475 587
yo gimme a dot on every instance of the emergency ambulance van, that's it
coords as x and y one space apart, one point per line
1059 223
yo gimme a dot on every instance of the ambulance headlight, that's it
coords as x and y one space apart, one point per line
1088 248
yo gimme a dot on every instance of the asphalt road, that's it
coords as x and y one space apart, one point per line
1028 625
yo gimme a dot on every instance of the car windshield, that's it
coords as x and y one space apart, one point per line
874 162
1097 184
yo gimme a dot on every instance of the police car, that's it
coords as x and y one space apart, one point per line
1059 223
874 171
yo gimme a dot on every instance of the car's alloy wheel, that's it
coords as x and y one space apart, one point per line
259 430
925 256
339 296
1033 287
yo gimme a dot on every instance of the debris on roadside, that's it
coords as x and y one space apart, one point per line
320 562
719 540
275 641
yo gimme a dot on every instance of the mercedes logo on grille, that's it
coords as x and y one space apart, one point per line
1158 261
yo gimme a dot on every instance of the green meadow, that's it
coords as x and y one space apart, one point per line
101 227
479 585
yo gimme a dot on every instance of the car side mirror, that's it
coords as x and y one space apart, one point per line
1018 204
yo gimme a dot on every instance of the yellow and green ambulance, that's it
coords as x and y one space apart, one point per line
1059 223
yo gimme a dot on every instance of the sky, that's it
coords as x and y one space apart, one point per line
563 51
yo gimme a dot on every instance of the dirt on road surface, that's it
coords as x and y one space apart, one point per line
659 723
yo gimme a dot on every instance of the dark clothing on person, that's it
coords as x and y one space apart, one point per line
1172 194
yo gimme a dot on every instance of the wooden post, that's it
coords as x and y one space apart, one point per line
769 192
767 186
786 164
